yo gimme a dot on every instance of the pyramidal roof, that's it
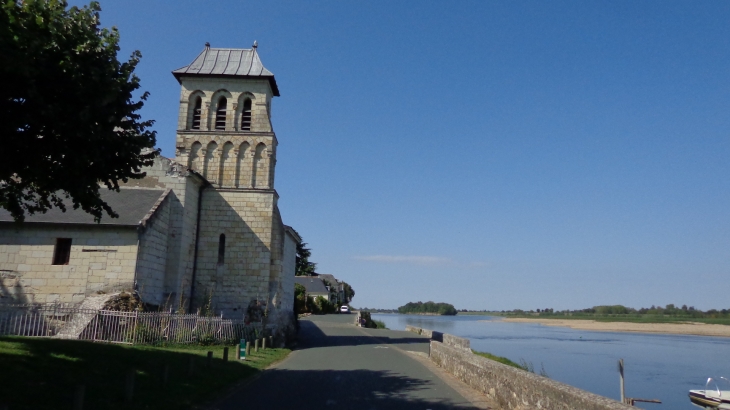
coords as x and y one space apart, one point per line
225 62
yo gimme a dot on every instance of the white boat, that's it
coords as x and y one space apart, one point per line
716 394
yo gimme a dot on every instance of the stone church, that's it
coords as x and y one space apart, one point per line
201 229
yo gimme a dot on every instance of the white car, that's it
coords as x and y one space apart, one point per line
344 309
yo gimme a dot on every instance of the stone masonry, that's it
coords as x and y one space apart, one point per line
203 229
102 259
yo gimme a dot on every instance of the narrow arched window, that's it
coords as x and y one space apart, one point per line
221 249
246 115
220 114
196 114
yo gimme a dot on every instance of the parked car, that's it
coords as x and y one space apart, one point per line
344 309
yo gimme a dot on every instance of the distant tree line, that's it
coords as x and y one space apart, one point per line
428 307
618 310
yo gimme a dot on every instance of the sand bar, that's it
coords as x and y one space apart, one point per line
685 328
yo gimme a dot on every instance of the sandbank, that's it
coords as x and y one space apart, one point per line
684 328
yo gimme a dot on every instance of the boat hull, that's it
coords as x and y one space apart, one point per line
710 399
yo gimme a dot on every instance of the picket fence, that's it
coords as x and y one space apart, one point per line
122 327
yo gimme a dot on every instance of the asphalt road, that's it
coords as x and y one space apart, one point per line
340 366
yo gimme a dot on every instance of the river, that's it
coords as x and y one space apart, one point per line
657 366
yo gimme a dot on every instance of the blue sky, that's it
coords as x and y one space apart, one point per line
493 155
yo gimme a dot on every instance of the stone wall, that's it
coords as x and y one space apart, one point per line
102 258
449 340
281 282
153 252
289 269
510 387
457 342
230 157
235 90
245 218
183 214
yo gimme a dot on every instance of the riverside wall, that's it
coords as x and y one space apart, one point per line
510 387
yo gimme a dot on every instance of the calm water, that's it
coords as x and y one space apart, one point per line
660 367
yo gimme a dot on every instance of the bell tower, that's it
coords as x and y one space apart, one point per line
225 134
224 126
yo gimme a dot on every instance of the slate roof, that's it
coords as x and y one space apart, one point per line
314 286
329 278
132 205
224 62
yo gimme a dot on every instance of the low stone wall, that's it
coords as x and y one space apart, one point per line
457 342
420 331
450 340
513 388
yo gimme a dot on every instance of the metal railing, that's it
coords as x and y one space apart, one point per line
122 327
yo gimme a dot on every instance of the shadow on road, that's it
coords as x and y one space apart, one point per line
311 336
344 389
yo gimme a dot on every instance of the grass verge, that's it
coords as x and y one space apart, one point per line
523 364
41 373
499 359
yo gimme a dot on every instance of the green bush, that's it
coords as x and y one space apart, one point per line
379 324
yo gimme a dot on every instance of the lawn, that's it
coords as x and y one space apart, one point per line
42 373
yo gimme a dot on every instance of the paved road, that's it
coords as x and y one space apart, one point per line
340 366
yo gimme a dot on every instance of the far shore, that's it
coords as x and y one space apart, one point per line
686 328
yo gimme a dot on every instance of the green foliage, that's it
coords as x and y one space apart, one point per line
319 305
323 306
60 365
68 117
428 308
300 299
523 364
620 313
349 292
379 324
303 266
368 322
500 359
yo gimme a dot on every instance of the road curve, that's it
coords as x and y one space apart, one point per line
340 366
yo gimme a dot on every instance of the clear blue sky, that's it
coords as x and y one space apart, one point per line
493 155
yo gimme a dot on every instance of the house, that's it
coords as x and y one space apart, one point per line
314 286
335 287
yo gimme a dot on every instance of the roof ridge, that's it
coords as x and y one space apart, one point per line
152 210
211 67
228 48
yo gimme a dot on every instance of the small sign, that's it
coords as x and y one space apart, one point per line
242 350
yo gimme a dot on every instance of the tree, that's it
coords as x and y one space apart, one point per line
300 298
303 266
349 292
428 307
68 119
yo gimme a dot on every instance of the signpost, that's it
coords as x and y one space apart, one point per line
630 400
242 350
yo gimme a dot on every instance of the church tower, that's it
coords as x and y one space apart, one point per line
225 134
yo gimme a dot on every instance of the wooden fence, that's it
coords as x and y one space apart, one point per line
122 327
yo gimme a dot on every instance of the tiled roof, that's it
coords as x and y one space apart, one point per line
132 205
228 62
